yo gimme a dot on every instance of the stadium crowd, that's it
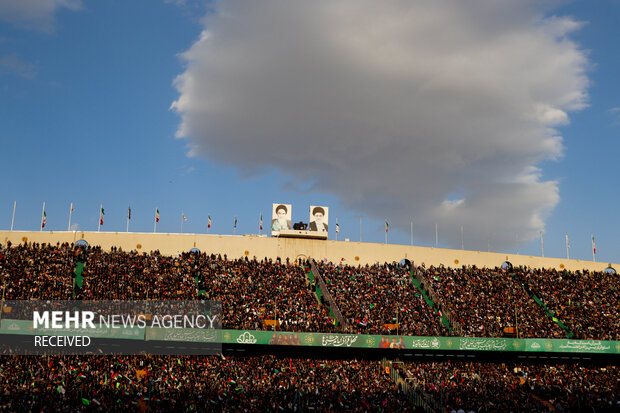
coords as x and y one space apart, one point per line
374 299
251 291
195 383
484 302
588 303
378 299
267 383
511 387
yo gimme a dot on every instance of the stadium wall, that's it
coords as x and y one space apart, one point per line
352 253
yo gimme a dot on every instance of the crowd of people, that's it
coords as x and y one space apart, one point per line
261 294
588 303
377 299
195 383
484 302
380 299
251 291
268 383
510 387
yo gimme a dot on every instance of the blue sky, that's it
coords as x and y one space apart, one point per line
87 116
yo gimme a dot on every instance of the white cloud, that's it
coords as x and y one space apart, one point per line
615 112
13 64
34 14
391 105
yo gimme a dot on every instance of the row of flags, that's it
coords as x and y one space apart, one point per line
157 217
184 218
593 248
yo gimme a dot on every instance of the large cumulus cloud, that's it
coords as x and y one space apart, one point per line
436 110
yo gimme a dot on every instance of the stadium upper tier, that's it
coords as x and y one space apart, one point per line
352 253
380 299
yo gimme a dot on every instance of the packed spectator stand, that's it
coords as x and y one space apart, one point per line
513 387
538 303
379 299
373 299
267 383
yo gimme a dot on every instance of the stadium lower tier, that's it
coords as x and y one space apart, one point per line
267 383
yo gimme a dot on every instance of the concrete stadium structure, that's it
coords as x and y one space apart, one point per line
352 253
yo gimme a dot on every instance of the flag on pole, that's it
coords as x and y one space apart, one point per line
593 246
101 214
71 209
184 217
260 223
44 220
209 221
156 215
129 212
235 224
387 226
337 228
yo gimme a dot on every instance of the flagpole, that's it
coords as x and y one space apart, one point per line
593 249
70 212
386 230
567 247
542 245
128 217
235 227
336 228
42 215
182 216
155 223
360 228
13 219
99 220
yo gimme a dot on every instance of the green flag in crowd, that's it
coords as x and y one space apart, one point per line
79 279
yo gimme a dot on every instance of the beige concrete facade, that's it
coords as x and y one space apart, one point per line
352 253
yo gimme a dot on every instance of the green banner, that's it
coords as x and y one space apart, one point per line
195 335
334 340
420 343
